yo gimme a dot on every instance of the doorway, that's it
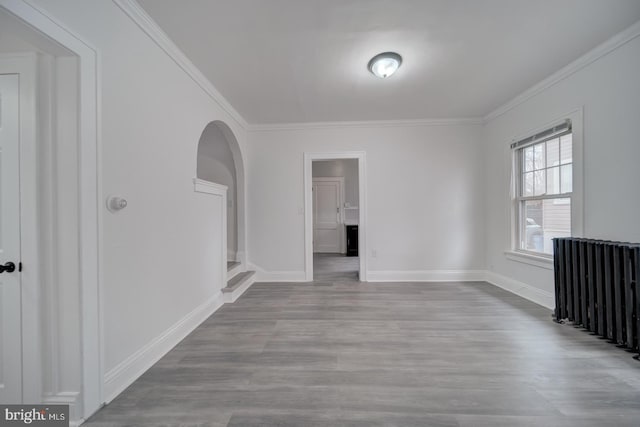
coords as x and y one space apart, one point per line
50 338
335 220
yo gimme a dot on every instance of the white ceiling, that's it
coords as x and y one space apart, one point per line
286 61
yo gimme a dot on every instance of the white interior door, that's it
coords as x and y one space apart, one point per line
327 223
10 301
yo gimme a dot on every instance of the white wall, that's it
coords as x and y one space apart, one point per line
347 168
216 164
609 92
424 189
152 115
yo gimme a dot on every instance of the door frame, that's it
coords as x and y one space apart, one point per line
341 198
89 196
309 157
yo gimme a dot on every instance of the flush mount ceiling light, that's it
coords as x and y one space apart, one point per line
384 64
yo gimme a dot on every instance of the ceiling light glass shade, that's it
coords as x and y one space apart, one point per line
385 64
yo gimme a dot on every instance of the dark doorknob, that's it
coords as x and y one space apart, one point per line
9 267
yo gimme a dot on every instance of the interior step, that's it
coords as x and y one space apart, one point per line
237 285
233 269
232 264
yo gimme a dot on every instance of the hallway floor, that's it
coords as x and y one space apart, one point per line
384 354
335 267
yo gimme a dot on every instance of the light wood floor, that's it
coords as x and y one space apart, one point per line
389 354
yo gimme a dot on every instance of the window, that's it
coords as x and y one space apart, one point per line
543 172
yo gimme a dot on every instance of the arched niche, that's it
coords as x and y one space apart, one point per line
220 161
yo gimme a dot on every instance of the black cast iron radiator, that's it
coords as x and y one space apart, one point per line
596 287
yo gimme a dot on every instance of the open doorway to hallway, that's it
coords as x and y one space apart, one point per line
335 213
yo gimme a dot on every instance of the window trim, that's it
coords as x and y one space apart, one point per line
513 252
520 200
531 258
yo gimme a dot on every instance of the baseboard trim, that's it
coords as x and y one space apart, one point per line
280 276
425 276
531 293
276 276
130 369
70 398
62 398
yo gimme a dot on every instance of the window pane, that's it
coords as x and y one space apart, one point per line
566 174
527 184
539 156
553 180
556 221
527 159
544 220
533 236
553 152
539 183
566 149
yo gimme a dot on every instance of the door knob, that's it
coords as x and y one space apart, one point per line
9 267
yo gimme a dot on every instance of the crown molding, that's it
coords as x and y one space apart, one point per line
142 19
593 55
363 124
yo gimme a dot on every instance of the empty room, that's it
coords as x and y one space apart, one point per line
239 213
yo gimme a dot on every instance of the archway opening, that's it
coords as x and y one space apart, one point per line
220 161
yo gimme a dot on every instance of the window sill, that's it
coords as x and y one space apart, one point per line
535 260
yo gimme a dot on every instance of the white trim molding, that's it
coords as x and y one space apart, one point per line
142 19
426 275
208 187
524 290
531 259
130 369
263 275
89 193
217 190
308 207
71 398
62 398
266 127
593 55
231 297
